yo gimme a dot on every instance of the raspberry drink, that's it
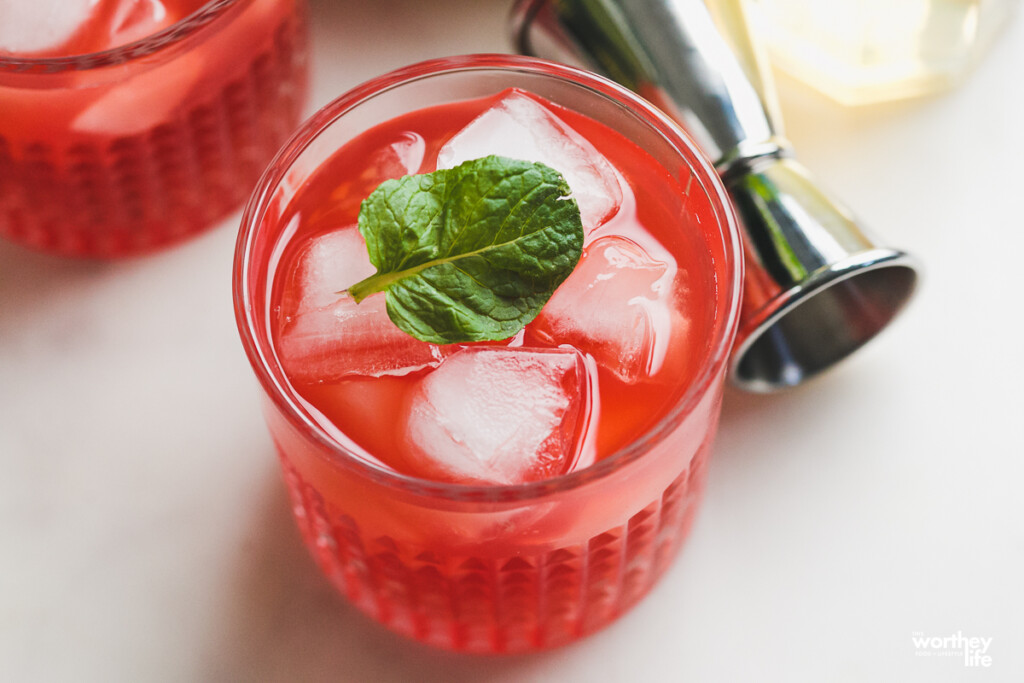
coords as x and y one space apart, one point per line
510 495
128 124
637 313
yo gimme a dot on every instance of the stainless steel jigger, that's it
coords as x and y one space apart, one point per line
817 286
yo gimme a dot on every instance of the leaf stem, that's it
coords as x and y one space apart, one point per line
377 282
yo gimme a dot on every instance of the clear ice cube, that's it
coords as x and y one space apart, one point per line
400 157
347 339
327 336
616 306
497 415
519 127
30 26
131 20
328 264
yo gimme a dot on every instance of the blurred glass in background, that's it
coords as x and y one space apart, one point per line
867 51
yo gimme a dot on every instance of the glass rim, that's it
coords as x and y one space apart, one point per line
261 359
120 54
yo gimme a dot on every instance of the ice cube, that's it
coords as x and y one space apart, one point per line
33 26
497 415
519 127
67 27
402 156
328 264
325 335
617 306
130 20
347 339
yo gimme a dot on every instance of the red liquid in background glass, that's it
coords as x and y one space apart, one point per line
114 153
82 27
367 410
509 574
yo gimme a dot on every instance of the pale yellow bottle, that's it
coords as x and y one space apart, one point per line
865 51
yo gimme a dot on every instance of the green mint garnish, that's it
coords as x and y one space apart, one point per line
470 253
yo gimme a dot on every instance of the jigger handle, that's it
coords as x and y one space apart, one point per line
671 53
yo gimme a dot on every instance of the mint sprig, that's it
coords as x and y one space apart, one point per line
470 253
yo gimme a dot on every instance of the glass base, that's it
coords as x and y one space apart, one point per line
497 604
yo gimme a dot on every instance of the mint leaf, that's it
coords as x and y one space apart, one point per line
470 253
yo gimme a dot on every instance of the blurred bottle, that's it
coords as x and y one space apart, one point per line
865 51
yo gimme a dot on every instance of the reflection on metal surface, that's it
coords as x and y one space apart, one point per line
817 286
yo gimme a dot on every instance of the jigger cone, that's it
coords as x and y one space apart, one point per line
817 285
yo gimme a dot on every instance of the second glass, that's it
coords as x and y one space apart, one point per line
124 150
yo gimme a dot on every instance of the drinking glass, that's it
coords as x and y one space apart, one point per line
491 568
125 150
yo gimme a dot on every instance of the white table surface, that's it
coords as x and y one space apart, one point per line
146 535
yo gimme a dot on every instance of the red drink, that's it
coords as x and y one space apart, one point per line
503 496
145 121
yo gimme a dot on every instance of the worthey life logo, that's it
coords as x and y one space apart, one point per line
971 650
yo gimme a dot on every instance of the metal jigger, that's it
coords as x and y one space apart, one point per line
817 286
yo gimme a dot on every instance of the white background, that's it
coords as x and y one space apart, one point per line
146 536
